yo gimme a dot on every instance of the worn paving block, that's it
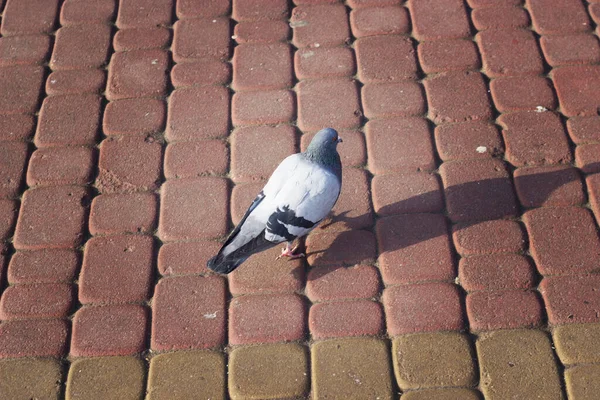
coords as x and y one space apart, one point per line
582 382
30 378
577 343
43 266
442 394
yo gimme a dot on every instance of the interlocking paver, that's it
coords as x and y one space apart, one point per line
582 382
341 248
433 360
21 87
324 62
186 45
337 283
571 299
134 116
587 158
473 139
137 73
261 31
593 185
8 217
517 363
442 394
242 195
105 378
445 19
507 309
248 10
385 58
48 300
353 208
448 55
193 8
33 338
194 159
496 272
263 107
61 166
487 3
365 3
75 82
570 49
500 17
575 87
522 93
268 372
577 343
262 66
43 266
186 258
33 378
345 318
549 186
29 16
141 38
123 213
355 149
206 377
365 365
75 12
16 127
320 25
133 14
564 16
188 313
399 99
81 46
406 194
13 158
509 52
30 49
200 72
371 21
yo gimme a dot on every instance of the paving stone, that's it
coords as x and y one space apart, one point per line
198 113
594 10
201 72
587 158
522 94
29 16
194 159
16 127
33 338
345 318
115 330
562 17
13 158
549 186
324 62
320 25
593 185
408 139
563 240
116 269
332 102
30 378
261 273
188 313
496 272
81 46
570 49
509 52
259 9
517 363
137 73
262 67
68 120
106 378
186 258
407 194
204 198
353 209
186 45
582 382
577 343
364 3
439 19
496 3
337 283
425 307
61 166
76 82
500 17
457 97
354 152
257 151
575 87
534 138
351 367
134 116
507 309
152 13
261 31
30 49
442 394
142 38
204 376
403 253
379 21
123 213
478 190
393 99
340 248
193 8
51 217
448 55
261 108
49 300
242 196
8 217
43 266
268 372
385 58
266 319
571 299
473 139
432 360
20 86
75 12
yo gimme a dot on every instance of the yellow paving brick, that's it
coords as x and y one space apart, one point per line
428 360
271 371
357 368
583 382
518 364
104 378
30 378
187 375
442 394
577 343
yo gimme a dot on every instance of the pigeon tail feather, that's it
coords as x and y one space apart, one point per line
224 264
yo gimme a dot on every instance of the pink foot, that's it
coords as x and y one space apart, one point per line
288 252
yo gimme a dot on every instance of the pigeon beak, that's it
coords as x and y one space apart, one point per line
339 140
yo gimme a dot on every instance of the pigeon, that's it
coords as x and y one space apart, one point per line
299 194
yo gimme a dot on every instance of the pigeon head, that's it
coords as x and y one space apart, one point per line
323 148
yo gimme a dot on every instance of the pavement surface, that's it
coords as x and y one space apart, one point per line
462 260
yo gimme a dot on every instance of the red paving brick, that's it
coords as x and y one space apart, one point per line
563 240
187 47
48 300
262 108
192 8
549 186
30 49
320 25
142 38
137 73
29 16
448 55
499 236
21 86
191 160
242 196
75 12
259 9
134 116
522 94
386 100
404 252
337 283
123 213
571 299
587 158
593 185
61 166
8 217
570 49
563 16
43 266
115 330
75 82
13 158
509 309
266 319
186 258
116 269
385 58
262 66
201 72
324 62
474 139
496 272
16 127
353 208
345 318
500 17
406 194
576 89
435 19
261 31
33 338
340 248
379 21
188 313
152 13
509 52
355 150
81 46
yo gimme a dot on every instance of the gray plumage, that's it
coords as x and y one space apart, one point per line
299 194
